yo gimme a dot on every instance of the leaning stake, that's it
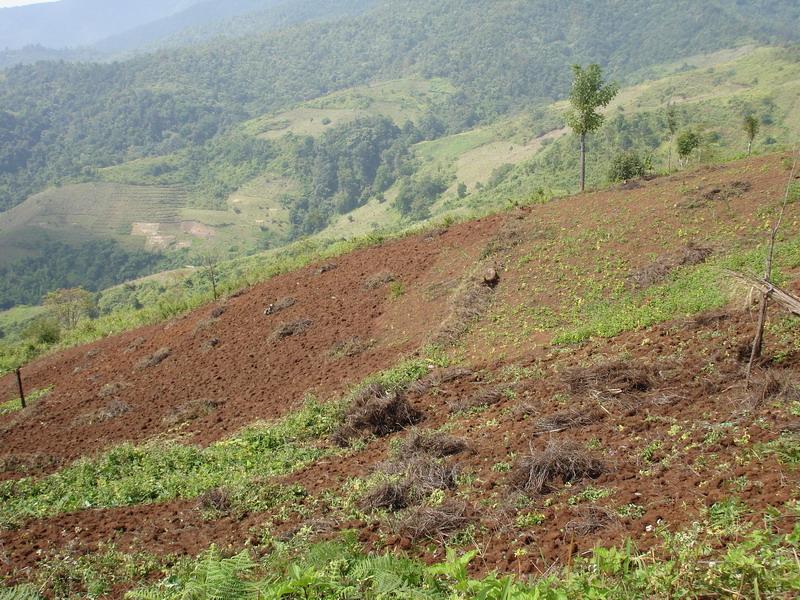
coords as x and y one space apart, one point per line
19 384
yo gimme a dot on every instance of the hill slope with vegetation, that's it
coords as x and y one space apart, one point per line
577 421
377 158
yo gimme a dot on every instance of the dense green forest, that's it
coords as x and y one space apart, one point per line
61 120
94 265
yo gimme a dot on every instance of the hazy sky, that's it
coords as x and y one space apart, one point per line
7 3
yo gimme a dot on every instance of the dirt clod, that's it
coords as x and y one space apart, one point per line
292 328
154 359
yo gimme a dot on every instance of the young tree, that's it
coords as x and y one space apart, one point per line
751 127
688 142
589 92
67 306
672 127
210 264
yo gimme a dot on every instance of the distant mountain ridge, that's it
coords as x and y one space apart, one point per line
72 23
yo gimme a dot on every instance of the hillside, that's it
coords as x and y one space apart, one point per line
402 400
501 57
257 187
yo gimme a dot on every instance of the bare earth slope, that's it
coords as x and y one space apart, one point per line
654 421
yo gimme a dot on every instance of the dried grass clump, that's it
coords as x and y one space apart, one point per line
774 384
280 305
378 412
566 419
217 500
566 462
728 191
379 280
292 328
482 398
470 301
657 271
154 359
190 411
438 377
351 347
113 389
112 410
389 495
134 345
701 197
326 268
424 474
217 312
707 319
203 325
619 377
435 522
590 519
432 443
410 482
115 408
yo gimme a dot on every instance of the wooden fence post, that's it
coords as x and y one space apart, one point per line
19 384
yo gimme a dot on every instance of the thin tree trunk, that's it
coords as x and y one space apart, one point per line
669 160
583 162
758 341
749 147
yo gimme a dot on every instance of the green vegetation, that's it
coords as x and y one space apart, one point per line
589 93
31 397
625 166
689 291
95 265
158 471
763 564
500 58
129 475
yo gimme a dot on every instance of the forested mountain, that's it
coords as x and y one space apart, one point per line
228 96
58 120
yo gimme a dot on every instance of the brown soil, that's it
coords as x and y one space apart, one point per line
250 373
665 408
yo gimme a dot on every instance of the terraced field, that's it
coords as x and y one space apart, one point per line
85 210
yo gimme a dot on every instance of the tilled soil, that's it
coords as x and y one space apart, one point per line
250 373
671 493
675 441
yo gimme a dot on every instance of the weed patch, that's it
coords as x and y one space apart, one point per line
129 475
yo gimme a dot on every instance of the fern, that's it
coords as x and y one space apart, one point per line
214 578
390 577
20 592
